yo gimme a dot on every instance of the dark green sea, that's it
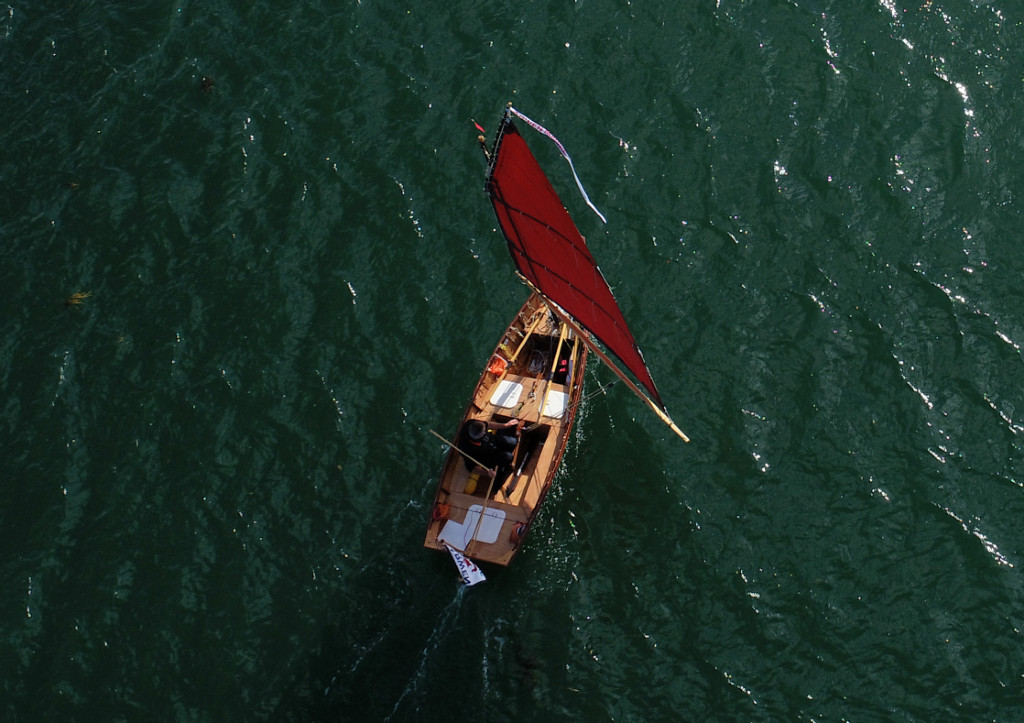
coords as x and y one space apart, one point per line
233 310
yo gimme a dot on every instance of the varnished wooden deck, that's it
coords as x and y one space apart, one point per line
537 327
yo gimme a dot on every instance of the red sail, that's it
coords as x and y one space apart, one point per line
550 253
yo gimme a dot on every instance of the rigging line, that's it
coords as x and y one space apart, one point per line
564 315
544 131
657 406
571 411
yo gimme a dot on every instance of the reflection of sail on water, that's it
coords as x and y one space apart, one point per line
551 255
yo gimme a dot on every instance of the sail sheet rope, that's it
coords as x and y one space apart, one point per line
565 154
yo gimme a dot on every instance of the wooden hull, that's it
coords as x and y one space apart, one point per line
541 384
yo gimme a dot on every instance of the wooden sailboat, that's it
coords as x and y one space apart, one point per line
512 436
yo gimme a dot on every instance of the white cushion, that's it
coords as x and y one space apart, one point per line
507 393
554 406
459 533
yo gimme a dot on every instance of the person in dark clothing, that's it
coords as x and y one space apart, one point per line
490 446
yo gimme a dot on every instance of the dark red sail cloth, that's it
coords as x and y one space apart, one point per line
550 253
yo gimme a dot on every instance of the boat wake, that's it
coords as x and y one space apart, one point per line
445 624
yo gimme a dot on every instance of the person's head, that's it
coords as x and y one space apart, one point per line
476 430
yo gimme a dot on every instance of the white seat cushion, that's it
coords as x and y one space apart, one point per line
459 533
507 393
554 406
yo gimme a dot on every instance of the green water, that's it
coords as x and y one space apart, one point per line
217 466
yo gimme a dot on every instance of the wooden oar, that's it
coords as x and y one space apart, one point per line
478 463
540 317
551 374
483 511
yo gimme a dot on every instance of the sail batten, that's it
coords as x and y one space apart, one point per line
551 254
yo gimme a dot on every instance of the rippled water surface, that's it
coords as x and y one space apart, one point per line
250 265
